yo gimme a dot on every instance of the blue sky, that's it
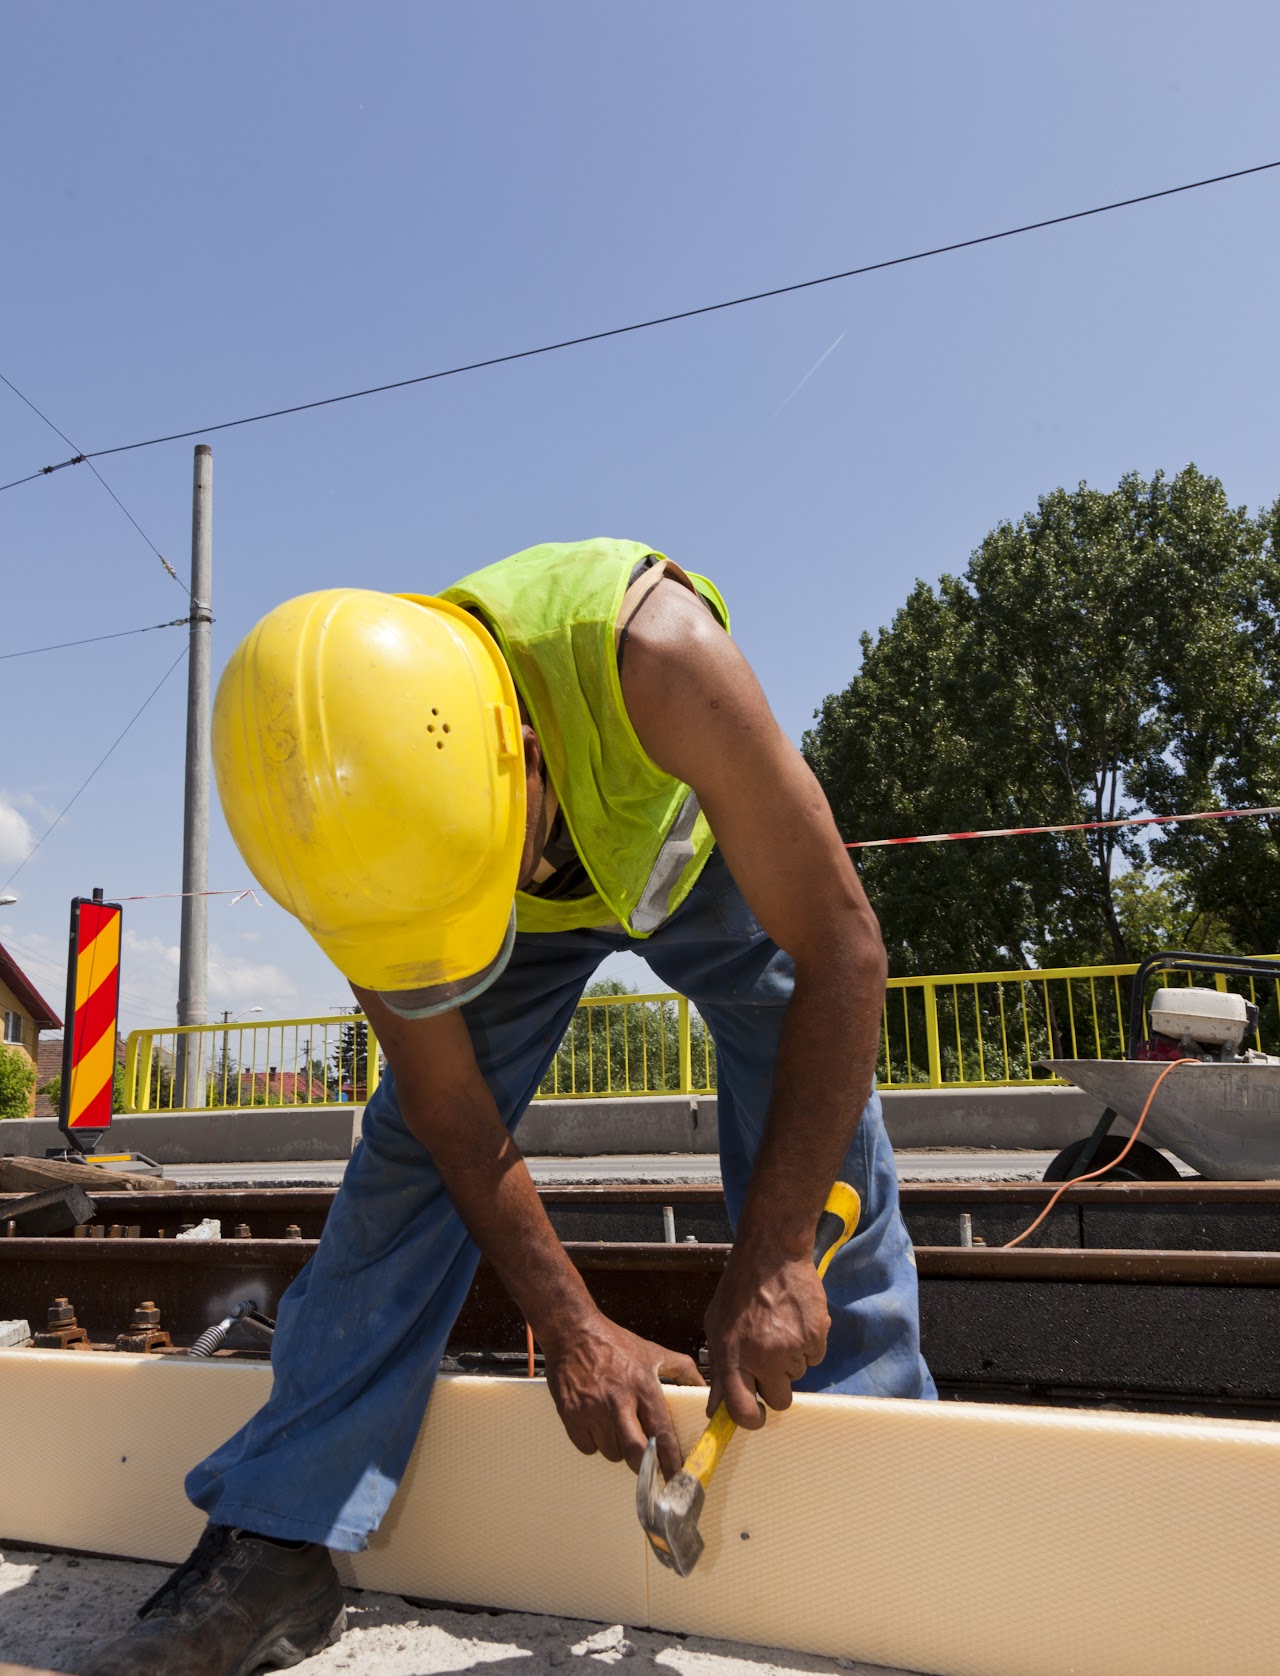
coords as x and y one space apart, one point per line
212 211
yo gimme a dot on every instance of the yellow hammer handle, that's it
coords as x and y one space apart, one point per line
837 1224
705 1455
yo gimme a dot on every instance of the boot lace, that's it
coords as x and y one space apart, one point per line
194 1570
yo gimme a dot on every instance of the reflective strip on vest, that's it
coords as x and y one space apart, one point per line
675 855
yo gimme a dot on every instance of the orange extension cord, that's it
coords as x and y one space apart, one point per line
1094 1174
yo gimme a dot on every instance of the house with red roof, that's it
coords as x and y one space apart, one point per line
25 1011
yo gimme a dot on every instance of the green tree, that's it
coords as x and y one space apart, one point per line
17 1080
351 1060
1088 658
53 1090
1224 752
628 1049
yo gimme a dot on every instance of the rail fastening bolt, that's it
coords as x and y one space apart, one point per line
62 1313
146 1314
293 1232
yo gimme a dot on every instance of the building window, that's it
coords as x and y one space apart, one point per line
13 1027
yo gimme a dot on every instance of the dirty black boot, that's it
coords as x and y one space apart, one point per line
239 1602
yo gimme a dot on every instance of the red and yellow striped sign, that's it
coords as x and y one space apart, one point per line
93 993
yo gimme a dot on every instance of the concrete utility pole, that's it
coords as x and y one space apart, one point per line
193 957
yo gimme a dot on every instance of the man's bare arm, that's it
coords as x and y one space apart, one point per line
605 1380
700 714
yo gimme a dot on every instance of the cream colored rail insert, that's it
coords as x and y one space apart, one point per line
957 1539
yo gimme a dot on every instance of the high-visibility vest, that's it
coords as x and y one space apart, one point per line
638 831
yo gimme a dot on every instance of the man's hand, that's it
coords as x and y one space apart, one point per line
605 1384
766 1325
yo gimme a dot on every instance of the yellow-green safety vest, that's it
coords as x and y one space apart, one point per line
638 831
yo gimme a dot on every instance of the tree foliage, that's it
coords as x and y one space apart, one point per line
1109 653
630 1048
17 1080
52 1090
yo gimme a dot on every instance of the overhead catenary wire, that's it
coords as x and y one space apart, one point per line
84 784
642 325
81 458
58 971
93 639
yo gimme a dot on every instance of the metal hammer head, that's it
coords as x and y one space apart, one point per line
669 1513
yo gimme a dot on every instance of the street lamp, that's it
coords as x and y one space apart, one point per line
6 901
228 1017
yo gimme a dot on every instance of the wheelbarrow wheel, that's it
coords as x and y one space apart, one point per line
1143 1163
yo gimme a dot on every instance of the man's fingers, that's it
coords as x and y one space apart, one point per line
741 1401
632 1438
680 1370
816 1346
581 1438
775 1390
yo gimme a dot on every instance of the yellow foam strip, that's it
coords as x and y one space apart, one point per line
955 1539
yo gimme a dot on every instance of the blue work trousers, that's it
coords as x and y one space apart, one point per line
362 1329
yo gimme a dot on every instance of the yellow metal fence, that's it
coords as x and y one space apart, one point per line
280 1062
964 1030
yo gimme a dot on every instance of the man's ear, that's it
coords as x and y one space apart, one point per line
532 751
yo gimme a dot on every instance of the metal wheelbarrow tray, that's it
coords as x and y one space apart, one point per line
1222 1119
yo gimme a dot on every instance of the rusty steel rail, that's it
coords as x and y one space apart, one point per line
1185 1215
1186 1331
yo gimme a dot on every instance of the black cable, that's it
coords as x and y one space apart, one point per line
79 459
85 783
643 325
121 634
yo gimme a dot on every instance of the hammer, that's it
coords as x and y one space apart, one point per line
668 1513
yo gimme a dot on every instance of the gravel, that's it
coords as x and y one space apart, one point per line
55 1607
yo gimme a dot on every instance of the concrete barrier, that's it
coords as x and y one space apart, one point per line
1042 1119
258 1134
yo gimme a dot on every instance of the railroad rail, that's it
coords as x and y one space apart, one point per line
1195 1329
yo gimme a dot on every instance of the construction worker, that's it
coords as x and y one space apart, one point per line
470 801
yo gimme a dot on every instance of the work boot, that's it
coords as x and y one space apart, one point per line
239 1602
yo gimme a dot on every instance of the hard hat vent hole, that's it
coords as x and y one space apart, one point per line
445 727
439 744
434 711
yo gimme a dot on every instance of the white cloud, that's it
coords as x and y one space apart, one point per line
43 812
149 967
245 982
16 836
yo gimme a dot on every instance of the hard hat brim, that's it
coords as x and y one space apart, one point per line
439 998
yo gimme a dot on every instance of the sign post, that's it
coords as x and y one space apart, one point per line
93 999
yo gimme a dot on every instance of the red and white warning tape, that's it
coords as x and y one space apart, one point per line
1078 826
173 895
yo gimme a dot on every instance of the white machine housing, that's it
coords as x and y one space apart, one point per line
1207 1017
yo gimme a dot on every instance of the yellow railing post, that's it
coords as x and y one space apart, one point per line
371 1075
686 1046
933 1045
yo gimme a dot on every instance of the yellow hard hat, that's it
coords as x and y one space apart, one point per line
368 754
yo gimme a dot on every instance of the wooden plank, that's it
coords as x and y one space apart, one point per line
955 1539
29 1175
